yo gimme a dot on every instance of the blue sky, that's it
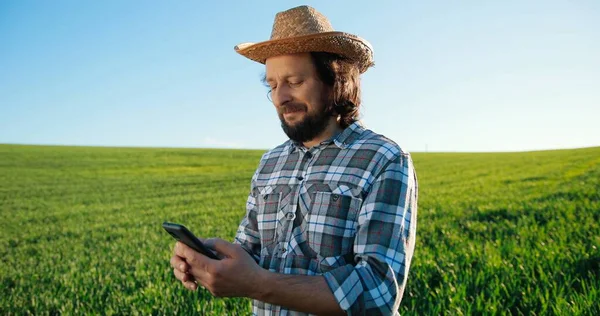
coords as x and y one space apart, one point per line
460 76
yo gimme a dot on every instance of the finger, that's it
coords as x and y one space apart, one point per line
191 286
183 277
186 253
196 264
178 263
186 279
222 247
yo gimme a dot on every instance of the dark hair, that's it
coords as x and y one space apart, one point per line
343 77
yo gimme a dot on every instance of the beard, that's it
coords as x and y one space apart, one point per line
309 128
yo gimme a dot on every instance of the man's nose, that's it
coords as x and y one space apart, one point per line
281 95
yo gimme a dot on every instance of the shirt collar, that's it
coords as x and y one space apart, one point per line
342 140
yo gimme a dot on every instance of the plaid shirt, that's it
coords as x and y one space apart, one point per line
345 209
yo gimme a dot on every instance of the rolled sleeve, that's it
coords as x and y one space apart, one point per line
383 246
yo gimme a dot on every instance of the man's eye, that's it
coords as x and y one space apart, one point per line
296 83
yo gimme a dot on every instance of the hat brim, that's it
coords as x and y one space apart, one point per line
344 44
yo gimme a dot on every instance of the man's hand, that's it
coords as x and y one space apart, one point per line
235 275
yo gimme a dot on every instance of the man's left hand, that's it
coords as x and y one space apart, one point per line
235 275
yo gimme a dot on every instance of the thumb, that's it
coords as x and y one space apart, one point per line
221 246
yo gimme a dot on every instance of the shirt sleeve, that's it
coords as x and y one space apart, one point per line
383 246
247 234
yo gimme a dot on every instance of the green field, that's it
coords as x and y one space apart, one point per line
514 233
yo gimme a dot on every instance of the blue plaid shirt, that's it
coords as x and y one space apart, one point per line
345 209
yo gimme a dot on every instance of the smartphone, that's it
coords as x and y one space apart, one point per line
179 232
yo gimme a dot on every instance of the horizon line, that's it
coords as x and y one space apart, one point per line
266 149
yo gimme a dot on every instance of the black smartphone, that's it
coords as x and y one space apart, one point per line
179 232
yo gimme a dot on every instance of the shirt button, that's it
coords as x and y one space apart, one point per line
309 155
300 178
283 250
290 216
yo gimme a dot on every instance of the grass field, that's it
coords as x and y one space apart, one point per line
513 233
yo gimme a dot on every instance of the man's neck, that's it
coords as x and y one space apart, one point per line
332 129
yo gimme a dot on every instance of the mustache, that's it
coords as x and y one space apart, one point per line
292 107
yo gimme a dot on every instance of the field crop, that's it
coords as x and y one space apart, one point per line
500 233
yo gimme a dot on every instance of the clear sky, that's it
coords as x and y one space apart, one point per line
449 75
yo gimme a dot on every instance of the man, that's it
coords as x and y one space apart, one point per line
331 216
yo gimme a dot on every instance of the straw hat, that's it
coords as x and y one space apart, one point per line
304 29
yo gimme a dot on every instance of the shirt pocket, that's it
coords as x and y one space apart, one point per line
332 224
266 217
